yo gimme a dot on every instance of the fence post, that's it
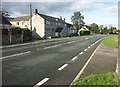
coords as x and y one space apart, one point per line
22 36
10 34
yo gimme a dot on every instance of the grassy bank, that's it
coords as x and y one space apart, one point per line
101 79
111 41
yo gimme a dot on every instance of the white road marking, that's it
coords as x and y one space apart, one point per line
81 71
85 50
70 42
86 38
91 45
41 82
56 45
80 53
15 55
47 47
38 49
74 58
62 67
52 46
96 42
88 47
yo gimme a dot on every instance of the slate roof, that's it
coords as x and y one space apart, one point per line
4 21
69 25
50 18
21 18
46 17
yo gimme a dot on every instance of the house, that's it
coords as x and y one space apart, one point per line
4 23
22 21
43 26
71 30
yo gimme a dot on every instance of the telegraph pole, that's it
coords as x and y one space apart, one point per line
31 20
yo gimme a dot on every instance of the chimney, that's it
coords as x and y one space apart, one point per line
64 19
61 17
36 11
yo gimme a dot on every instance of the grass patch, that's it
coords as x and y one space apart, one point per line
101 79
111 41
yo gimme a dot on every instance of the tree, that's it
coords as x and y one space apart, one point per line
105 30
95 28
77 20
4 13
113 30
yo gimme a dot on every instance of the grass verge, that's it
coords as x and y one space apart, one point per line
111 41
101 79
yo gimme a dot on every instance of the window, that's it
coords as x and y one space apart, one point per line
59 23
47 22
56 19
23 23
56 23
17 23
65 25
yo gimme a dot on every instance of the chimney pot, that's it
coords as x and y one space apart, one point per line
36 11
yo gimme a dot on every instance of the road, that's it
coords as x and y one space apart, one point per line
48 62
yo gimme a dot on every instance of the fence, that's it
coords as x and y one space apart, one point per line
12 36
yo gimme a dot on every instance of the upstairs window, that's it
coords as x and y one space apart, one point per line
17 23
47 22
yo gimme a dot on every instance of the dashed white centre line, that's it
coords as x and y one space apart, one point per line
46 47
62 67
41 82
91 45
88 47
95 42
80 53
38 49
15 55
85 50
74 58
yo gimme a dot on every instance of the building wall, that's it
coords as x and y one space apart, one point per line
22 24
38 26
51 27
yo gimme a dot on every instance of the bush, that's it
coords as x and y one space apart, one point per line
84 32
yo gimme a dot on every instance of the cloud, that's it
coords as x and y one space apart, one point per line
15 8
94 11
56 0
112 9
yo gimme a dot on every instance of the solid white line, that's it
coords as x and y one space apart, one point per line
85 50
74 58
62 67
81 71
80 53
41 82
15 55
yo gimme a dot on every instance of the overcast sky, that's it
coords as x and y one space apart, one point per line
95 11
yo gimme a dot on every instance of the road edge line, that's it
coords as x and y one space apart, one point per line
81 71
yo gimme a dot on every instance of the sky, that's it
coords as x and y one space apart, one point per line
102 12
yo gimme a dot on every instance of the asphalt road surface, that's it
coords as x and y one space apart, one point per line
47 62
